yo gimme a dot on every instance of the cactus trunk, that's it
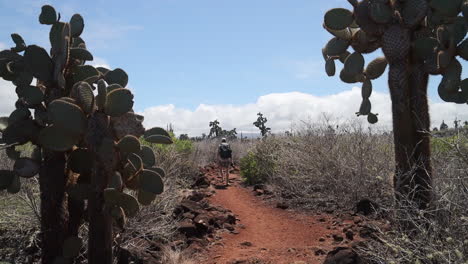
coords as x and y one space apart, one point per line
408 89
100 220
54 215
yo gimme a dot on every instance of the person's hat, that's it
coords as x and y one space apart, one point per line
223 139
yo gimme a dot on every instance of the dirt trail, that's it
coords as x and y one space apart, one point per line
275 235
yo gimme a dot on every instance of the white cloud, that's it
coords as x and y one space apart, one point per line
8 95
285 109
3 46
99 62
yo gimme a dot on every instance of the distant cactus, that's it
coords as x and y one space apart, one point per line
86 147
260 123
215 129
443 126
418 38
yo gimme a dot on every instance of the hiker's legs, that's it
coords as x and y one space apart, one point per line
227 175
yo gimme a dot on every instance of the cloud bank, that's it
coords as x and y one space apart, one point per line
285 109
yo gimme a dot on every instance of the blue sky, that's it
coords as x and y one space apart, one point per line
188 53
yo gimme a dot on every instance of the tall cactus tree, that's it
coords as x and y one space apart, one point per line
215 129
260 123
86 141
418 38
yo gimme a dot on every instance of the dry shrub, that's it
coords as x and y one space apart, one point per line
439 234
325 166
328 166
171 256
205 151
155 223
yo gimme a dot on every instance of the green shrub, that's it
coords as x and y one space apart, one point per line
182 146
249 169
259 164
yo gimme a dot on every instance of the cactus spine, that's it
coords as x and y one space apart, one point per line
86 146
418 38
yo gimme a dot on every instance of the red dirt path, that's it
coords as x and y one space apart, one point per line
277 236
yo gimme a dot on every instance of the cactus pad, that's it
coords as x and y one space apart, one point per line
48 15
156 131
365 107
338 18
128 203
145 198
424 47
86 73
71 247
159 171
414 11
147 156
18 115
448 8
26 167
159 139
68 116
376 68
129 144
113 87
54 138
336 46
76 25
81 54
354 64
348 78
330 67
380 12
84 96
19 42
32 95
101 97
116 181
119 102
151 181
118 76
366 90
38 62
135 161
372 118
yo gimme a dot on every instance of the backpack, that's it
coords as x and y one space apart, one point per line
225 151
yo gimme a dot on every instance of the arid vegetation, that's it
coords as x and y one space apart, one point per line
321 168
82 181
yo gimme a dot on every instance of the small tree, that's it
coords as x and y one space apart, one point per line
229 134
261 124
215 129
443 126
418 38
184 137
86 148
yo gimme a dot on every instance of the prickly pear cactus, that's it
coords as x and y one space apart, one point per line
65 105
427 33
261 124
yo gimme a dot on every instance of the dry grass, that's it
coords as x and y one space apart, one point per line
171 256
205 152
326 168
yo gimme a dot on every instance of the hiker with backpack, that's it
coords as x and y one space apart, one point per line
224 159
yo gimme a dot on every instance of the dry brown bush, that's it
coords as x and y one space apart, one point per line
205 151
335 167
